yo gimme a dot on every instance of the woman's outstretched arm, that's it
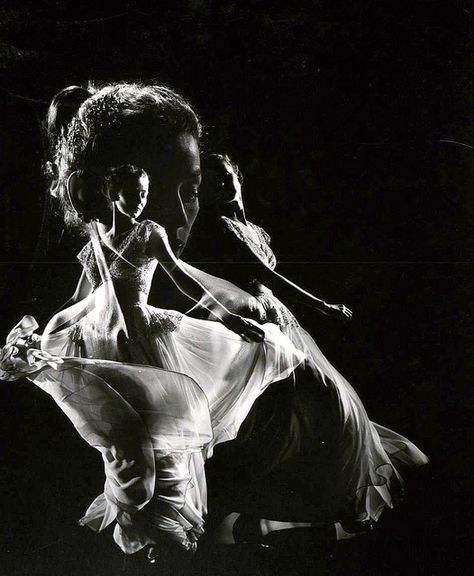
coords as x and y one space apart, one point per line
159 248
282 286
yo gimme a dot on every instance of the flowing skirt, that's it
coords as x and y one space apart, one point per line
350 465
154 391
364 472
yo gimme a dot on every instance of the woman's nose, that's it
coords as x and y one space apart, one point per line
174 212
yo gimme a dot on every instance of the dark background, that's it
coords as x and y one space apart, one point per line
343 117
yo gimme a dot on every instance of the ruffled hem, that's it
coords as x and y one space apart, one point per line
208 380
369 458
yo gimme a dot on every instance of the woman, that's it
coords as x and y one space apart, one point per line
151 389
358 462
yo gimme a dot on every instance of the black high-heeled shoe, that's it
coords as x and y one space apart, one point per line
358 526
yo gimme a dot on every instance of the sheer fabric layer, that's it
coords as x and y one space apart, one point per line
362 470
367 458
154 391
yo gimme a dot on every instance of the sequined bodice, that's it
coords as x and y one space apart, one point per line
130 268
255 238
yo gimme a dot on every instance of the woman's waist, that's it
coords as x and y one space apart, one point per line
148 321
130 296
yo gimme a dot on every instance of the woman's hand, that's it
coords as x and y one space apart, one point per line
247 330
338 311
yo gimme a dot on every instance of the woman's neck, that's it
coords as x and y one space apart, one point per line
233 211
120 223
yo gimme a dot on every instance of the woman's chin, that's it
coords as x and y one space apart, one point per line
177 246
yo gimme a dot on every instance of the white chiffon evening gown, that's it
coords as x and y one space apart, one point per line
363 471
153 390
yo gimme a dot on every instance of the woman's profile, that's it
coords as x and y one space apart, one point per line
152 390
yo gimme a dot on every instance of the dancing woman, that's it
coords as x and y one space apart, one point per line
358 462
153 390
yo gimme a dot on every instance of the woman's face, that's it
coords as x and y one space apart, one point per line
175 180
191 209
132 197
222 185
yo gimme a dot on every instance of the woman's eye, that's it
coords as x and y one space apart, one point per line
189 194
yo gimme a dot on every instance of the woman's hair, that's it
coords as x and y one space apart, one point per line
61 111
118 178
92 129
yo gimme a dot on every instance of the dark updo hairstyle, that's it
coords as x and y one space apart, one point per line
61 111
118 178
118 124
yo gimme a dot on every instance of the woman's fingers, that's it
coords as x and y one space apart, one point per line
248 331
253 336
346 312
259 333
253 333
345 309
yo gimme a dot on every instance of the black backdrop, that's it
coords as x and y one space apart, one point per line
344 118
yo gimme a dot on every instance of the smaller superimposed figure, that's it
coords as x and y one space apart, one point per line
309 454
